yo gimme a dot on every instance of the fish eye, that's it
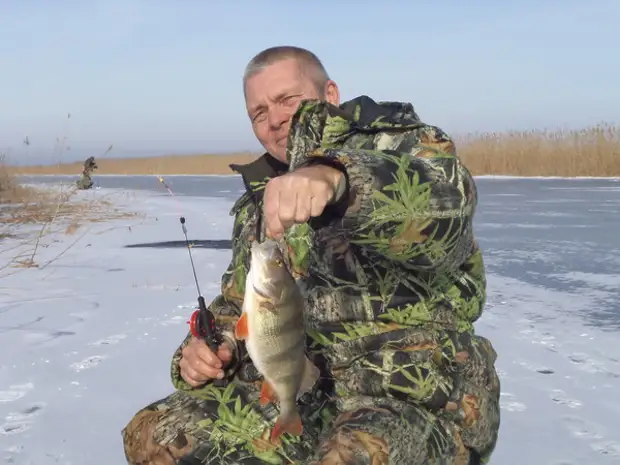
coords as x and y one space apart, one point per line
279 262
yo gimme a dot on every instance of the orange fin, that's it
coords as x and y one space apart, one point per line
291 425
267 394
241 328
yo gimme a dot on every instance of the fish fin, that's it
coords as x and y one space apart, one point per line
267 394
265 303
241 328
309 377
290 424
269 306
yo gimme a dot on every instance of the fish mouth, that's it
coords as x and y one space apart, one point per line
269 269
267 251
264 246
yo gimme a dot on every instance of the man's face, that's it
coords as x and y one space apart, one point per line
272 97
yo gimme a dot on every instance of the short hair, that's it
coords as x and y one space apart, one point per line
310 64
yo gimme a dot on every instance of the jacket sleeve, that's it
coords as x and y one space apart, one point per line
413 204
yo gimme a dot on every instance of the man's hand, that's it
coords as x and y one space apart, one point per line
199 364
297 196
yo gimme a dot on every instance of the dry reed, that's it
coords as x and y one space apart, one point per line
30 215
593 151
164 165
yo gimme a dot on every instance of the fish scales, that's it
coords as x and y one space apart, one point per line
272 325
281 343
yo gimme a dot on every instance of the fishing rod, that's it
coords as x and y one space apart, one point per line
202 321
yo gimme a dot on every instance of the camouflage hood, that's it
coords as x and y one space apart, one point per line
320 124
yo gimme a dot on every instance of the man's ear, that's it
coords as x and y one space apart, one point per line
332 93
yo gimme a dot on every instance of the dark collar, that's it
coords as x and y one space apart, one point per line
256 171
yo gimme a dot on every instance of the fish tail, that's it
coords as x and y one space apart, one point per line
289 422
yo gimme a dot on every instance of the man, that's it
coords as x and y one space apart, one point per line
376 211
85 182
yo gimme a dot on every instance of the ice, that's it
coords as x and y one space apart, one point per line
86 340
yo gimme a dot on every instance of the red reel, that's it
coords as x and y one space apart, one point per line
194 325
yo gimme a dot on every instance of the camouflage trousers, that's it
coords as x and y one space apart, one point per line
225 426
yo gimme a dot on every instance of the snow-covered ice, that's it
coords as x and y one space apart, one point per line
86 340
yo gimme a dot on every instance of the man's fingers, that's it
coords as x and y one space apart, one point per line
191 376
206 369
224 353
189 380
288 207
271 207
206 356
275 228
291 199
304 207
197 372
199 364
317 205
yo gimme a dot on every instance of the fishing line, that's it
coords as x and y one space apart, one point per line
202 320
184 228
169 189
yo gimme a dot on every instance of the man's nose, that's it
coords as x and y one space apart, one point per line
277 117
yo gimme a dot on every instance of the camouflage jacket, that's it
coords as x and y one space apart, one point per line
393 276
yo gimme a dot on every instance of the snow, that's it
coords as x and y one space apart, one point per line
86 340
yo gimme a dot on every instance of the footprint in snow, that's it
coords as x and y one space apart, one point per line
590 365
560 397
18 422
87 363
175 320
12 453
111 340
581 428
542 338
15 392
609 448
589 431
507 402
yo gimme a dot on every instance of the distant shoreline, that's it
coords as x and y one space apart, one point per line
592 152
235 175
162 165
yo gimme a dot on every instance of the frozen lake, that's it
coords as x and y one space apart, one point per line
562 234
86 341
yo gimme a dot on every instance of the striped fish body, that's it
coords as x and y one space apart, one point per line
272 325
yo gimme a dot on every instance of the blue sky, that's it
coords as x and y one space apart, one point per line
160 76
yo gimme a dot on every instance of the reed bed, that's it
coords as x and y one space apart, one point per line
592 151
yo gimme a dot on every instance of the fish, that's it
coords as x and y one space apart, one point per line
273 328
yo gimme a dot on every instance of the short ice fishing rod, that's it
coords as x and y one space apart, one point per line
202 321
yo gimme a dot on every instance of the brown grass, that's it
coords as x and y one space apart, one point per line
168 164
30 216
12 192
593 151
